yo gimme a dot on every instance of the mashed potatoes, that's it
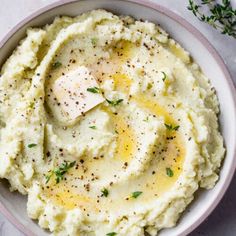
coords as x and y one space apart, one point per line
107 125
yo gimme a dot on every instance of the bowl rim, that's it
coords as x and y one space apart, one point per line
196 33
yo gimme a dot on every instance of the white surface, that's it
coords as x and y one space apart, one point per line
223 220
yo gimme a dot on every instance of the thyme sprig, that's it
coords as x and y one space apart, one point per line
222 16
60 171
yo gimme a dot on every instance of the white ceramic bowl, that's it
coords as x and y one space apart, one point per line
13 205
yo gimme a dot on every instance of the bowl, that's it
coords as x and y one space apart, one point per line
13 205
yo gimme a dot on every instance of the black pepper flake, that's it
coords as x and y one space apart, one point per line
48 154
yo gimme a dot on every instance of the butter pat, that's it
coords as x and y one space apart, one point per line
77 92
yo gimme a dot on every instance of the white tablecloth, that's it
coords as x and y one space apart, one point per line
223 220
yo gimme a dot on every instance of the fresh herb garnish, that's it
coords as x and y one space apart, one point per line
171 127
56 65
149 86
94 41
48 177
31 105
32 145
60 171
164 76
111 234
105 192
146 119
169 172
93 90
92 127
136 194
115 102
222 16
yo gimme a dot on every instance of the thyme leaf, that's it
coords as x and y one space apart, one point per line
32 145
169 172
115 102
149 86
105 192
136 194
94 41
171 127
111 234
56 65
93 90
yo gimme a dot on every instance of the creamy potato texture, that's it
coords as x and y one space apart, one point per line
108 125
